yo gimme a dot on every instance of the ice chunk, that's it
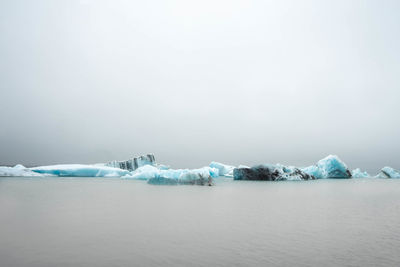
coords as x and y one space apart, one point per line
314 171
80 170
269 172
333 167
388 172
162 167
156 175
329 167
357 173
224 170
188 178
134 163
17 170
148 172
144 173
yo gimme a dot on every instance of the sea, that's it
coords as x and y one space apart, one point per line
122 222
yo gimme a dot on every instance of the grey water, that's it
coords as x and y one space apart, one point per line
120 222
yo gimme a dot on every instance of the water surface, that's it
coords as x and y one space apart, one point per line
119 222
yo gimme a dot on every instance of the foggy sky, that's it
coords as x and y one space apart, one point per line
241 82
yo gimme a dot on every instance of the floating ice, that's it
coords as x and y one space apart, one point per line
189 178
357 173
314 171
388 172
328 167
80 170
144 173
134 163
148 172
243 166
333 167
269 172
224 170
17 170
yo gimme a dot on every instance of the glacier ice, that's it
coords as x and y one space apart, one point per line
328 167
189 178
224 170
80 170
314 171
17 170
269 172
145 168
388 172
148 172
333 167
357 173
161 176
134 163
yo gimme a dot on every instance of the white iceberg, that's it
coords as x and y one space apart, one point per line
357 173
80 170
17 170
224 170
148 172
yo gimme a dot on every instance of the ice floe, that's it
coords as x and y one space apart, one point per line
388 172
329 167
80 170
224 170
269 172
17 170
357 173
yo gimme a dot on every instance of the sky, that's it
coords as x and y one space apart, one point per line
240 82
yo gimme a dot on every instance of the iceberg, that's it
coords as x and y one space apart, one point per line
144 173
80 170
134 163
17 170
314 171
148 172
188 178
333 167
269 172
328 167
388 172
224 170
357 173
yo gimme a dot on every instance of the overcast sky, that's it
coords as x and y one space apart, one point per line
241 82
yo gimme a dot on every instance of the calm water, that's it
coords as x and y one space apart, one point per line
116 222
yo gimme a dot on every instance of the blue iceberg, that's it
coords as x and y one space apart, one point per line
329 167
79 170
224 170
333 167
202 176
388 172
187 179
314 171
